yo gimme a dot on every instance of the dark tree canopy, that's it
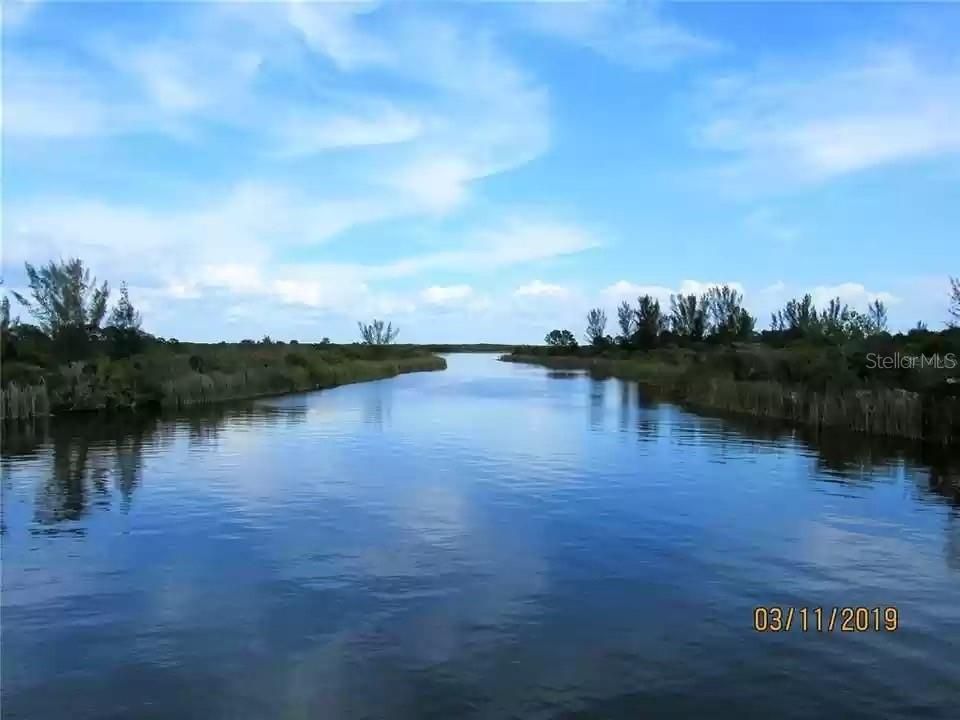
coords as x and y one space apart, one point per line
649 320
561 338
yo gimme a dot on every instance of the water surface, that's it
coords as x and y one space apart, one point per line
492 541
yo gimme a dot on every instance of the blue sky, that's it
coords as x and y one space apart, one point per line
483 171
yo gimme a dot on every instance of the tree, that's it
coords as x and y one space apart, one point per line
4 314
798 317
561 339
877 314
596 327
688 316
626 320
376 333
837 321
954 308
67 303
125 316
8 331
727 317
64 295
650 321
745 325
123 330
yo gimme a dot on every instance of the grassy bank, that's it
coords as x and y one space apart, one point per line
759 384
177 375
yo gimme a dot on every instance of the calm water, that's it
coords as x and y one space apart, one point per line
493 541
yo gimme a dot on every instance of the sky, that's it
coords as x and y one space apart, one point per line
480 172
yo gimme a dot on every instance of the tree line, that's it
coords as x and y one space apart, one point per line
718 316
74 320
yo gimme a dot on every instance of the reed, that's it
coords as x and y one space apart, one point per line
23 403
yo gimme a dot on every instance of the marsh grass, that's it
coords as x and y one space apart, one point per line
21 403
193 374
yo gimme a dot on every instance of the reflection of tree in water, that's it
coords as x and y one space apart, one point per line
378 404
852 457
87 452
598 390
843 457
648 416
625 405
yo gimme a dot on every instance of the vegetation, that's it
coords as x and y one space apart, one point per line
561 339
597 327
832 367
376 333
70 360
954 308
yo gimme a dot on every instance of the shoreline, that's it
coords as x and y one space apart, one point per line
879 412
198 389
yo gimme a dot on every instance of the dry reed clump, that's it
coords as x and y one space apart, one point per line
22 403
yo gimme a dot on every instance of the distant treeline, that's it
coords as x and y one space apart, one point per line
81 355
468 348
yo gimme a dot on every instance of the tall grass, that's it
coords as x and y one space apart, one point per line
204 388
200 375
21 403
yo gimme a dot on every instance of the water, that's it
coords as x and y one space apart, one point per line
492 541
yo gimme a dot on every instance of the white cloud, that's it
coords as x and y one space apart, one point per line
516 240
438 184
378 125
699 287
446 295
253 220
851 293
538 288
48 100
332 30
15 15
625 290
635 34
816 122
252 69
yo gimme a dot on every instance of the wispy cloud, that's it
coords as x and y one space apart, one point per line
789 124
636 34
514 241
